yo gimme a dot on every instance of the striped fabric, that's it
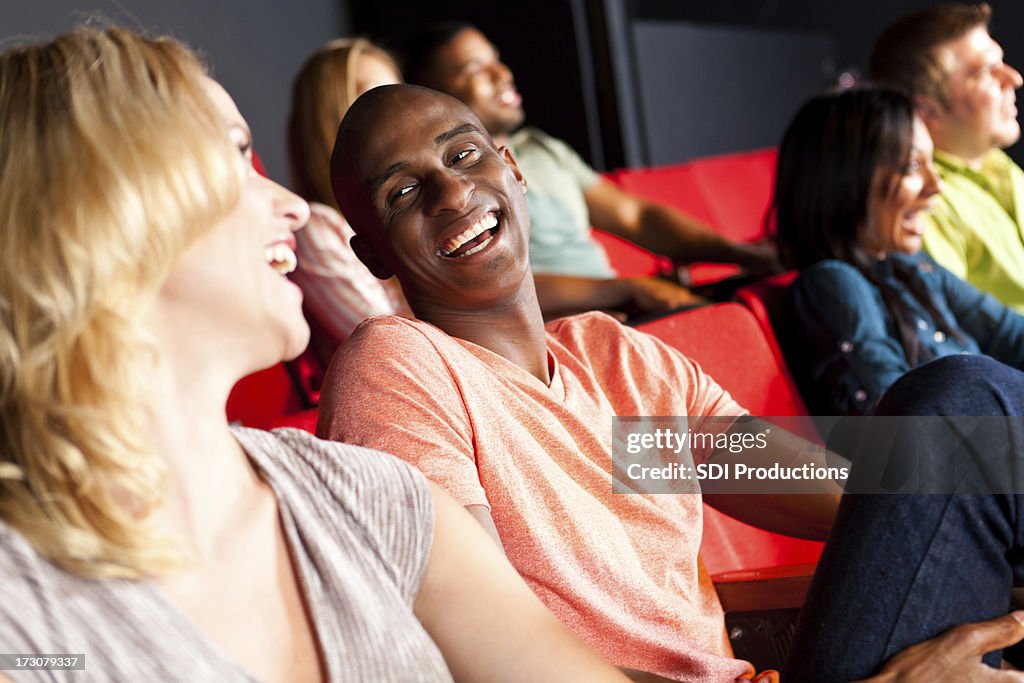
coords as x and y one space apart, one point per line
339 291
359 524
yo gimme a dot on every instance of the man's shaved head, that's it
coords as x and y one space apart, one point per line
430 197
368 121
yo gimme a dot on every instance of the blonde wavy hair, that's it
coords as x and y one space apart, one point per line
322 92
112 162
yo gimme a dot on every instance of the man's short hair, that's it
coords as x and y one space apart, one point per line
417 50
905 57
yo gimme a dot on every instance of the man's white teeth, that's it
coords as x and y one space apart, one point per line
508 97
477 247
281 257
486 223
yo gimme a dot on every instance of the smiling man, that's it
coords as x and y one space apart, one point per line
567 196
515 420
965 93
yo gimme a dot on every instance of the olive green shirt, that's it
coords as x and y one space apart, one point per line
976 228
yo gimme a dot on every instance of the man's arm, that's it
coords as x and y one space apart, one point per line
666 231
807 514
566 294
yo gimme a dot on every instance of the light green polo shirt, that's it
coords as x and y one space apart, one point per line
975 229
556 179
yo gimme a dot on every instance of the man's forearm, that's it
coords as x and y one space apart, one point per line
683 238
565 294
806 514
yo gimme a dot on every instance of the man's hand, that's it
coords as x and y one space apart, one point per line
759 258
654 294
956 654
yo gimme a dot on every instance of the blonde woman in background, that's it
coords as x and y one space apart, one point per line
340 291
141 277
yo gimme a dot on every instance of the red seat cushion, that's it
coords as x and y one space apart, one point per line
730 345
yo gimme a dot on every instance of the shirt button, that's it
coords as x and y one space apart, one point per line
922 324
846 346
940 336
860 395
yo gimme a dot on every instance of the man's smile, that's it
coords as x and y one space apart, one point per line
472 239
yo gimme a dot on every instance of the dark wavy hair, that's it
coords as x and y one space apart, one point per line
830 157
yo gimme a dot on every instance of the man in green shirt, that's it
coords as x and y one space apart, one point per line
965 93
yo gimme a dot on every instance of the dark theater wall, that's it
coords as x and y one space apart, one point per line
254 46
851 26
563 52
579 66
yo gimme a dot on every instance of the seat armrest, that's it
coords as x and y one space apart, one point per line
763 589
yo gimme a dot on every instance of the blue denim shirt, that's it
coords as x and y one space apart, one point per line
843 344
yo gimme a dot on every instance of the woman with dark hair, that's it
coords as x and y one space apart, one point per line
855 180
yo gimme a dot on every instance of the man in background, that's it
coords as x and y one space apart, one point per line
964 92
566 197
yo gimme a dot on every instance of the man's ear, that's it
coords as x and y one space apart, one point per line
510 161
368 255
929 109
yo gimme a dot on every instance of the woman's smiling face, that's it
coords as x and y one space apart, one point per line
895 223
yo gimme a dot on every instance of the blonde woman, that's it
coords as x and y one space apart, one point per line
340 291
141 276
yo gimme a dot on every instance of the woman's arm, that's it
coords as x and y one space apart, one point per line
488 624
999 330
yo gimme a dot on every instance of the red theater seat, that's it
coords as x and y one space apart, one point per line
730 346
765 299
264 396
730 193
628 259
306 420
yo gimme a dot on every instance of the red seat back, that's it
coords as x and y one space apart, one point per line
263 396
628 259
306 420
729 192
732 348
765 299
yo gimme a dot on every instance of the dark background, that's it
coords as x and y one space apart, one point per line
627 82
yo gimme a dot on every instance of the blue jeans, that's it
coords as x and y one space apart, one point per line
900 569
